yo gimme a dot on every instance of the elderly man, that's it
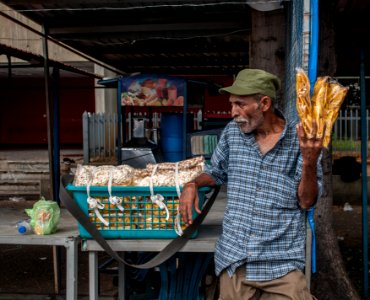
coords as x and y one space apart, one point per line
273 175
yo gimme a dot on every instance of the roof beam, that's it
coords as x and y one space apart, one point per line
146 28
127 3
36 60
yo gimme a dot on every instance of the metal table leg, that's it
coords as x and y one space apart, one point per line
121 278
71 269
93 275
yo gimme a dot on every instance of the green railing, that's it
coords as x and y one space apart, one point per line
346 136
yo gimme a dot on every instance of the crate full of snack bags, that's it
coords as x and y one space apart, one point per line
123 202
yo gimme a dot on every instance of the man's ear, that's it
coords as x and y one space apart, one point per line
265 103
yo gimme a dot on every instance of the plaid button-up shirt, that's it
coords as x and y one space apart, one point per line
263 225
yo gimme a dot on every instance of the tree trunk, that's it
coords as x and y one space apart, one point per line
268 41
267 44
331 281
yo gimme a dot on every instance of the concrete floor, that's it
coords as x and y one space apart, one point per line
39 155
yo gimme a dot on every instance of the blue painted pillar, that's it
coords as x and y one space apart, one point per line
312 74
364 141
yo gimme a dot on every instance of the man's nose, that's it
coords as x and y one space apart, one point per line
234 111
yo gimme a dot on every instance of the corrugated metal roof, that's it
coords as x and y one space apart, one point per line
177 37
35 62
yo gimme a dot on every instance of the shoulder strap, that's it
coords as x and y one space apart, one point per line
174 246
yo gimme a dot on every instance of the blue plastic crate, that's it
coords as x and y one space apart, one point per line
140 219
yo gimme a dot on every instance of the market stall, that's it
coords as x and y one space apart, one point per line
155 107
166 118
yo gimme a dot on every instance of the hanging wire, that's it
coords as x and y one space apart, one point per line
144 6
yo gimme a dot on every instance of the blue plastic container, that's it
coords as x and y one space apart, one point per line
141 219
172 137
172 156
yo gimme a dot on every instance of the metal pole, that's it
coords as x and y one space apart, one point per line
185 116
56 128
56 165
49 111
364 142
86 137
50 124
312 74
9 68
121 122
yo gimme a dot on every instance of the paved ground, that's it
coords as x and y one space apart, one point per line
41 155
348 227
29 269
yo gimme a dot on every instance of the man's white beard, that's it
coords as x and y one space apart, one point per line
250 124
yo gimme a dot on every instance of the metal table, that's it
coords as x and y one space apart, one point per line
67 236
204 243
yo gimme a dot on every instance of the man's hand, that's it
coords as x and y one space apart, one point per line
189 198
310 147
310 150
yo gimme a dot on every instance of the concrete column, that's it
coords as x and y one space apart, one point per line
105 98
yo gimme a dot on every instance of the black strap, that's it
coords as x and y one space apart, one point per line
174 246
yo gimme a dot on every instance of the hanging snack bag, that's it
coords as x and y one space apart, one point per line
45 216
304 106
327 98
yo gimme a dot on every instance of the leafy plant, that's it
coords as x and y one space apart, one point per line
346 145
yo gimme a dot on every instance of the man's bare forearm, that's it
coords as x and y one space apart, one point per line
189 196
203 179
308 190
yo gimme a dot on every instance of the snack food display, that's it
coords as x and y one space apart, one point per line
124 175
126 202
328 96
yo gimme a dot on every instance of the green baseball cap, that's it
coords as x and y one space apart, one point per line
253 81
